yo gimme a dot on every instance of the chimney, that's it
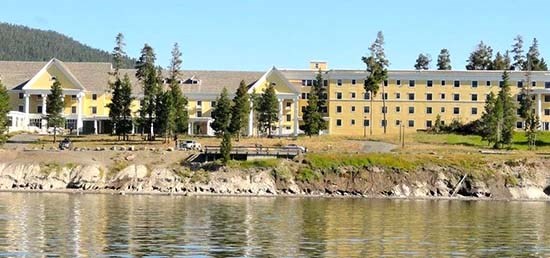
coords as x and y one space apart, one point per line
316 65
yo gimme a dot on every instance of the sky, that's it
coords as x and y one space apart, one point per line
255 35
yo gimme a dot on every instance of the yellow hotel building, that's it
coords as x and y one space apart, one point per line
413 98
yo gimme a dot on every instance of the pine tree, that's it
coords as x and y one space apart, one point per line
268 109
225 147
377 72
499 117
240 111
163 113
423 62
530 118
125 98
508 110
147 76
517 51
480 58
534 62
4 109
313 122
54 108
489 120
221 114
444 60
179 116
118 104
500 63
320 90
438 124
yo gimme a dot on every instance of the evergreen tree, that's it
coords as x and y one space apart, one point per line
54 108
377 72
4 109
517 51
147 76
534 62
125 98
313 122
500 62
120 101
240 111
225 147
438 124
320 90
489 120
179 116
481 58
163 114
499 117
444 60
528 115
423 62
221 114
268 109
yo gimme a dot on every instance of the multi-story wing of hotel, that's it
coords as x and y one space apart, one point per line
413 98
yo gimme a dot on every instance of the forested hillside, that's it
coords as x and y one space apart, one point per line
21 43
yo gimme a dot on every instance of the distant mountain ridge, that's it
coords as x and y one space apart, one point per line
21 43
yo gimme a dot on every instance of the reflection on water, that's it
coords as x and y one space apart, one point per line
35 224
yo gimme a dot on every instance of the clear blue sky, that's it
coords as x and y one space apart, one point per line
257 34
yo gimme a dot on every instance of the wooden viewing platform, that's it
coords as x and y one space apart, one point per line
212 153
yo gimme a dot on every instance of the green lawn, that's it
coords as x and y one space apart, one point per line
519 141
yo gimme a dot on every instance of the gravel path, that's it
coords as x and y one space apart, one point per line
373 146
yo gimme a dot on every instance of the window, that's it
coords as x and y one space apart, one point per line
411 110
288 118
474 97
398 109
338 122
338 109
94 110
199 103
398 82
443 83
546 98
325 83
474 84
303 109
456 110
501 83
456 97
367 95
366 109
353 122
384 110
442 110
442 95
309 82
386 83
39 109
305 95
21 95
547 112
353 82
338 95
457 84
428 123
352 108
94 96
339 82
398 95
534 84
366 122
428 110
73 110
287 104
474 111
428 96
213 104
397 122
383 123
546 85
520 84
73 97
21 109
411 83
411 123
429 83
411 96
353 95
488 83
199 113
385 95
303 82
519 125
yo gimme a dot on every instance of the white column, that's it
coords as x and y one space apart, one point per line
539 106
133 127
27 107
189 128
251 120
44 120
209 130
295 127
280 117
79 112
95 125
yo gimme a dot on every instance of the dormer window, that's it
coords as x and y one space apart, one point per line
53 78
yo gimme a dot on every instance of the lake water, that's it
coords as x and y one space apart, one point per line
40 224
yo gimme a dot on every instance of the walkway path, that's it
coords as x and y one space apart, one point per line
374 146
